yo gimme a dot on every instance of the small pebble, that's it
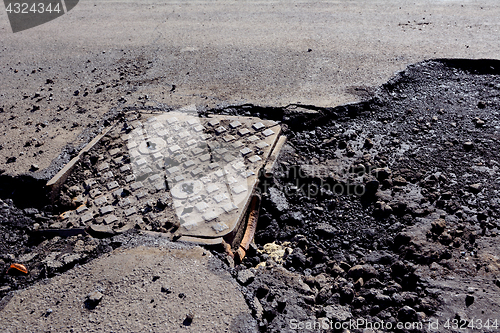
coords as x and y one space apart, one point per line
468 145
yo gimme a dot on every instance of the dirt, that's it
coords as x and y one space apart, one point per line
385 210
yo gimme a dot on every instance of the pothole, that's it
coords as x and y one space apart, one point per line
370 209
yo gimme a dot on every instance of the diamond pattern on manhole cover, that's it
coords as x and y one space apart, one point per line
175 166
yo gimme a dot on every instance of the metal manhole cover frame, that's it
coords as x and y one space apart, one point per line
226 129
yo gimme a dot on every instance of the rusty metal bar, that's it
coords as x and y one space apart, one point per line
253 217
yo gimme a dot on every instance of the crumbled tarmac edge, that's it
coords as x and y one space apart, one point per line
429 210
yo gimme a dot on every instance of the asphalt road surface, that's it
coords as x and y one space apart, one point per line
212 53
62 77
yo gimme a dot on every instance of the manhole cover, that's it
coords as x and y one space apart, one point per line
198 173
